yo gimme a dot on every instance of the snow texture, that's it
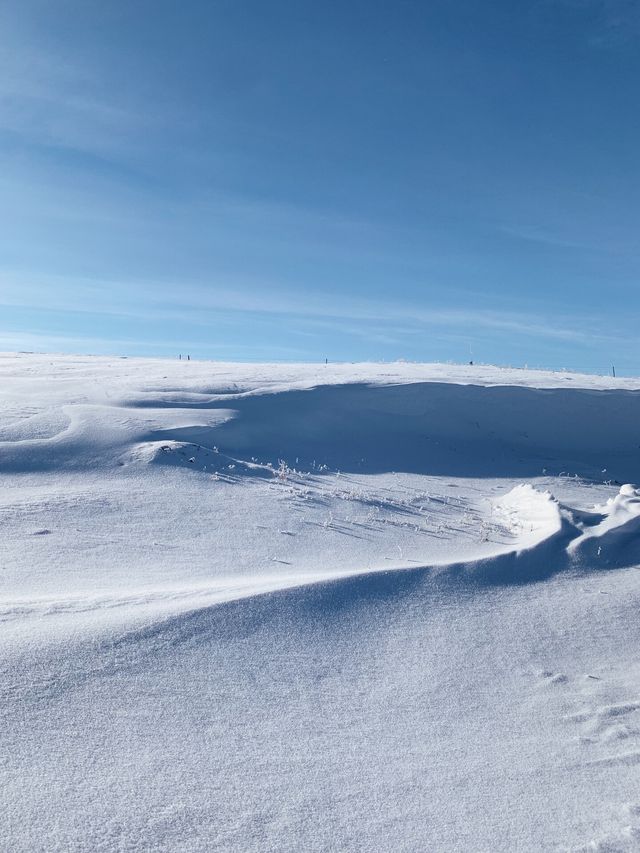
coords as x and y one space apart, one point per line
321 608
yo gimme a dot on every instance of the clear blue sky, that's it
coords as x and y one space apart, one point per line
354 179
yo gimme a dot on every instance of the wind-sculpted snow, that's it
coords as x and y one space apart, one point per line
350 607
441 429
548 541
423 428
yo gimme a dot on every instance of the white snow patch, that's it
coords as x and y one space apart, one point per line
530 514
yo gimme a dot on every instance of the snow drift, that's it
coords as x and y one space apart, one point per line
365 607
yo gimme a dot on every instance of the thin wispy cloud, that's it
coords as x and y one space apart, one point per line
210 307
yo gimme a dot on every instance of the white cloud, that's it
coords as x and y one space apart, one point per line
208 306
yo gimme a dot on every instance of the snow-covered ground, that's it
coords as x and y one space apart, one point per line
317 607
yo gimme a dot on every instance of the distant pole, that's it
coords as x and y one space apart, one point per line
180 356
326 361
613 371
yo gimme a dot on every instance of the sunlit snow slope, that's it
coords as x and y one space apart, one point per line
298 607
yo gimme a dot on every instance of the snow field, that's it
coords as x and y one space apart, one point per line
284 607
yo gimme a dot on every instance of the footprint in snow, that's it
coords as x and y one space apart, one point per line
625 838
604 714
549 677
606 726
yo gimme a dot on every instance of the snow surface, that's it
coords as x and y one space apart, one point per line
362 607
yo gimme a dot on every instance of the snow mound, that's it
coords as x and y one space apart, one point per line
532 515
205 460
613 538
551 536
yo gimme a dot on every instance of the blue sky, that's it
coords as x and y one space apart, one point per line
299 180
